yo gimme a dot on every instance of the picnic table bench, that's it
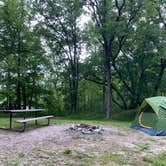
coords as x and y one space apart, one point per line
25 120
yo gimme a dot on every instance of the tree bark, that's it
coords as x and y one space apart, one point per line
24 96
121 97
74 95
104 92
108 79
9 104
18 92
32 92
74 71
161 73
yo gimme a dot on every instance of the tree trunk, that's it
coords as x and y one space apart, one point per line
32 92
158 81
18 91
9 104
89 99
108 86
121 97
74 70
104 92
74 93
24 96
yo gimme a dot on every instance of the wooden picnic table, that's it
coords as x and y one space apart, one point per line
11 112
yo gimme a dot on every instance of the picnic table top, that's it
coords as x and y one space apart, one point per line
22 110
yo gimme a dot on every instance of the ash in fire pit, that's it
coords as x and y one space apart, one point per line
86 129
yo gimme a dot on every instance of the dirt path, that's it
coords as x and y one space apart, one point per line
53 145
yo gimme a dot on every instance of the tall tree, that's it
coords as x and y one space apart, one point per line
63 37
113 20
137 49
21 53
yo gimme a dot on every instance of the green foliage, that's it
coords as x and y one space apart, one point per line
136 48
41 44
86 115
23 62
125 115
60 28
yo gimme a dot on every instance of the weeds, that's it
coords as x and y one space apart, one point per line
67 151
158 160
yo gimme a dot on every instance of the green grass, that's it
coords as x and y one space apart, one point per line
4 122
67 151
85 159
11 164
86 115
122 118
126 115
158 160
144 146
104 122
123 115
111 158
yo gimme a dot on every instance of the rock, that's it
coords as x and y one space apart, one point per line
86 129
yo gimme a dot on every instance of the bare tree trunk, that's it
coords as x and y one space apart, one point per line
124 106
108 86
75 72
109 94
104 92
24 96
74 97
9 104
161 73
74 89
32 93
89 99
18 91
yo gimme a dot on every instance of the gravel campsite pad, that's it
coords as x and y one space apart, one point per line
55 145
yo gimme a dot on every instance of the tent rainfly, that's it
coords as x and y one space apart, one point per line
151 118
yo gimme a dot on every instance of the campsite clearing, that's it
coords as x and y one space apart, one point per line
54 145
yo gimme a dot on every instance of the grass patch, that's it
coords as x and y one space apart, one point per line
111 159
123 115
11 164
4 122
86 115
77 158
122 118
81 156
158 160
126 115
67 151
144 146
97 122
68 163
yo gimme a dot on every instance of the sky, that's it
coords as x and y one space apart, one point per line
84 19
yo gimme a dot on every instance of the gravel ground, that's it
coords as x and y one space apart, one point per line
49 145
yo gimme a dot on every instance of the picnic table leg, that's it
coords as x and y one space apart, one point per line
10 120
24 115
24 126
48 121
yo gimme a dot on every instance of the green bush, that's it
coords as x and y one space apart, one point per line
125 115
